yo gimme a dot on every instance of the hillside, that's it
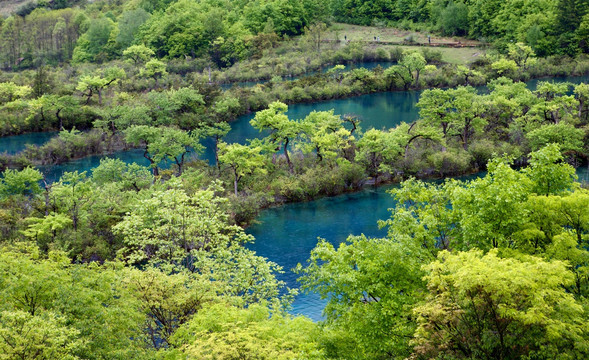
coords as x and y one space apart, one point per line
7 7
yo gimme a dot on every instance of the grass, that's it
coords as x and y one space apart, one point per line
459 56
7 7
368 33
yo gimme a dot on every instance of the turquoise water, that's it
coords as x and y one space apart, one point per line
287 234
17 143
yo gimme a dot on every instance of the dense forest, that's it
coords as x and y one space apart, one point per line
151 258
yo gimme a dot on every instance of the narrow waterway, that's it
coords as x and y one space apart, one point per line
287 234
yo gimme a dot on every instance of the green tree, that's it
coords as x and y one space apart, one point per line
24 336
488 307
371 285
154 69
162 143
565 135
325 135
128 176
243 160
48 106
52 309
547 172
9 92
522 54
283 131
138 54
169 224
223 331
129 23
71 194
453 19
408 69
96 84
24 182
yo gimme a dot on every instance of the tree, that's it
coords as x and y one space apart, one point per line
453 19
490 210
53 309
377 149
242 160
282 130
44 230
129 23
128 176
547 172
91 84
523 55
24 182
325 135
423 216
569 138
71 193
467 116
165 227
168 300
54 105
224 331
314 32
161 143
468 73
138 54
9 92
175 232
370 285
24 336
504 67
154 69
408 69
435 106
488 307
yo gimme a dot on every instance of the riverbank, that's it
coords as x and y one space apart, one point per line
322 86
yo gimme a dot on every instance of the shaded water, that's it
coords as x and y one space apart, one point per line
17 143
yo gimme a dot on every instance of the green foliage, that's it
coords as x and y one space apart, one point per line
129 24
25 182
127 176
51 309
140 54
408 69
548 174
371 285
10 92
243 160
484 306
222 331
565 135
283 131
453 19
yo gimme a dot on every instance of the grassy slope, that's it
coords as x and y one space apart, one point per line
7 7
367 33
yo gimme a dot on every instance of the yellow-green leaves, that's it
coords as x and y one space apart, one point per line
485 306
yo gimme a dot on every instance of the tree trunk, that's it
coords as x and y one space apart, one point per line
235 181
59 118
290 167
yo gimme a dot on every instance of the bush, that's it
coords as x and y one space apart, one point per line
451 162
